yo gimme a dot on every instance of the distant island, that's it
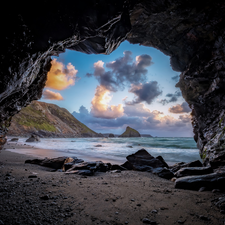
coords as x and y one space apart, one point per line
130 132
48 120
146 135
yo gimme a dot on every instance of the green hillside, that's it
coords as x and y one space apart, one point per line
48 120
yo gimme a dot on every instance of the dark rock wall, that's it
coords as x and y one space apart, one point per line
190 31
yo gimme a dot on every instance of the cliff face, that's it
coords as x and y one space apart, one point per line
47 120
130 132
191 32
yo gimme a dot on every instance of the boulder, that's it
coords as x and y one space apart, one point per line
128 165
111 135
33 138
143 161
162 160
117 167
210 181
189 171
14 139
55 163
130 132
180 165
69 163
163 173
91 166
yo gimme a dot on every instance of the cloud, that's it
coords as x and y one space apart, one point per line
180 108
145 92
47 94
123 71
175 78
138 117
172 98
60 76
100 107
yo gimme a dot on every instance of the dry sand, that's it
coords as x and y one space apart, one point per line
105 198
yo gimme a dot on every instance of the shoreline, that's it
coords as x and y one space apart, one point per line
105 198
91 153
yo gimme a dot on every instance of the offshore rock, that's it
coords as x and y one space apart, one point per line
130 132
33 138
191 32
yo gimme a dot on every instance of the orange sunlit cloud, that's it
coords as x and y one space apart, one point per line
60 76
51 95
100 107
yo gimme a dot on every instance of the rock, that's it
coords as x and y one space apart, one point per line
204 218
32 176
14 139
189 171
202 189
55 163
33 138
111 135
45 197
220 202
130 132
129 146
210 181
162 160
180 165
178 33
163 173
117 167
127 165
115 171
89 166
143 161
98 146
67 163
148 221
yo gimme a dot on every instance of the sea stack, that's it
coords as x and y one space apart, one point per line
130 132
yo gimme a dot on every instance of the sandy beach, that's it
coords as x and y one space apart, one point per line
31 194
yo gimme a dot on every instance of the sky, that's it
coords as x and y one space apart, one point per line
133 86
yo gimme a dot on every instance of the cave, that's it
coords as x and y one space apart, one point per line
191 32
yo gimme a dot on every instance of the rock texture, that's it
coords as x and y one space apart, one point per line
48 120
191 32
130 132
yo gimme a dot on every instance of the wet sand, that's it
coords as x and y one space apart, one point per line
129 197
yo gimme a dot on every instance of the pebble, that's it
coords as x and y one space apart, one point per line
202 189
204 218
44 197
154 211
148 221
32 176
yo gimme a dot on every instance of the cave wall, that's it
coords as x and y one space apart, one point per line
191 32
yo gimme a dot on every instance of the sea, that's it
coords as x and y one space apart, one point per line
114 150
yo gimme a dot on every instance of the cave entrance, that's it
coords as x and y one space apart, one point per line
132 82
